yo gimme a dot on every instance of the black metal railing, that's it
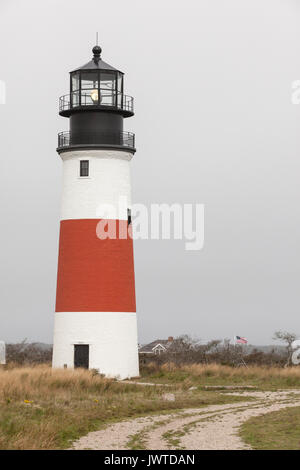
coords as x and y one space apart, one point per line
105 98
106 139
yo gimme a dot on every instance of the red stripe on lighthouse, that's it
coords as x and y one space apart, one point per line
94 275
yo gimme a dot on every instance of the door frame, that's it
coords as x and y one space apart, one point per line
88 355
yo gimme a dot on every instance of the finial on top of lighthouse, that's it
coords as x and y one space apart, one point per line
97 53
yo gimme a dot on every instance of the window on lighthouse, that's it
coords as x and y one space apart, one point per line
129 220
84 168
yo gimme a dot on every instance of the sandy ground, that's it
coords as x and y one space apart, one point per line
213 427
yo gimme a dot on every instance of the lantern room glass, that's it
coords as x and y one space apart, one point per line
89 89
96 88
108 88
75 87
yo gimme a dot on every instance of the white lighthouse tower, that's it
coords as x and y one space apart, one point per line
95 318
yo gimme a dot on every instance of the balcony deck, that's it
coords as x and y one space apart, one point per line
100 140
79 101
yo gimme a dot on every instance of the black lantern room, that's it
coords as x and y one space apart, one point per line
96 106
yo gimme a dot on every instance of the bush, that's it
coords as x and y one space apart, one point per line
27 353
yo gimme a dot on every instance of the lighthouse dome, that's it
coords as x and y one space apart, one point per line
97 63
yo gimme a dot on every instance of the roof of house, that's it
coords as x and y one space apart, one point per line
149 348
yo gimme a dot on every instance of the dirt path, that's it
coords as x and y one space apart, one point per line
212 427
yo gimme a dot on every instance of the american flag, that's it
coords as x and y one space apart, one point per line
240 340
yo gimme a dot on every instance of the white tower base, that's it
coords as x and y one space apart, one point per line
111 336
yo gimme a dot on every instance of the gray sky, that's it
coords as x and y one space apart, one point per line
214 124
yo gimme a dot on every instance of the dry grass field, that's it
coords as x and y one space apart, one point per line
41 408
263 377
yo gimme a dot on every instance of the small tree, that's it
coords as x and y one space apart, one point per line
182 350
286 338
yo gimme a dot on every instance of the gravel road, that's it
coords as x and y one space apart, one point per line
213 427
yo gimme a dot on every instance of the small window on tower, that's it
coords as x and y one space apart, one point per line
84 168
129 220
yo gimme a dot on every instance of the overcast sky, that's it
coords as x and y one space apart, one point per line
214 124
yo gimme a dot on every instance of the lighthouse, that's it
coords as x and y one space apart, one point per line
95 317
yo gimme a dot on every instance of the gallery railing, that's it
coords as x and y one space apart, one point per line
70 139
